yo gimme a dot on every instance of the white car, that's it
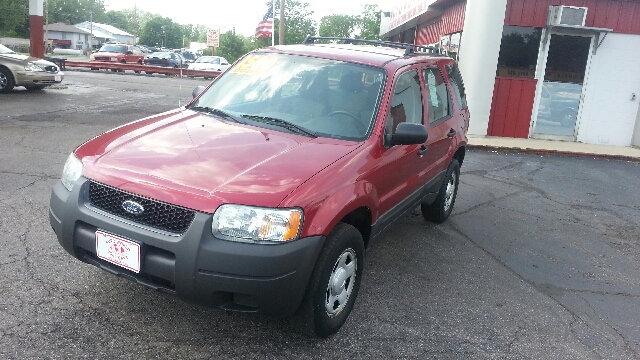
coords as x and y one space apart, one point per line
210 63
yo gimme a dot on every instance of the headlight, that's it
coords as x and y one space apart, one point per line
71 172
255 224
32 67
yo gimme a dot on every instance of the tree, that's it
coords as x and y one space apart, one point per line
15 15
338 25
231 46
370 23
298 23
76 11
161 31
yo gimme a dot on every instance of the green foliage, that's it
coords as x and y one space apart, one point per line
162 32
14 17
76 11
231 46
338 25
370 23
298 23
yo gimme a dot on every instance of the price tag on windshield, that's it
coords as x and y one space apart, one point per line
254 65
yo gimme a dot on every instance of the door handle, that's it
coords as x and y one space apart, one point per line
423 150
451 133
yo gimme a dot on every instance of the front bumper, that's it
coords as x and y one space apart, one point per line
194 266
38 78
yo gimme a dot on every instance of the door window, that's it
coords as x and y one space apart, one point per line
457 84
406 104
438 95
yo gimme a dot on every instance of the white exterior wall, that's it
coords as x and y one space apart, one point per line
124 39
608 115
479 50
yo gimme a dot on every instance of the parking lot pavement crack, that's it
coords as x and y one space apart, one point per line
625 341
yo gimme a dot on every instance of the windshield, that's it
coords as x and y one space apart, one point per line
5 50
114 49
208 60
328 98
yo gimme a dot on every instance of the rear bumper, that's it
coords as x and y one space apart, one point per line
195 266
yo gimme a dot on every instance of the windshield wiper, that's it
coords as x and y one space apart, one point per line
282 123
217 112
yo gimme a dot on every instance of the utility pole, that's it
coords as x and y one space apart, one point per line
281 27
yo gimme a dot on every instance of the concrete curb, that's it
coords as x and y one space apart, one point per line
553 152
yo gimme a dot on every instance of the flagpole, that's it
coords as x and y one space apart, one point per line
273 27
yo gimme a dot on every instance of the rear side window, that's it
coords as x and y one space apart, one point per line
406 104
438 95
457 84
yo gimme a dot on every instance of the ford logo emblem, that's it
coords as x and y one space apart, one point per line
132 207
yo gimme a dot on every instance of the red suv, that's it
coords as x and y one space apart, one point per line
120 53
262 194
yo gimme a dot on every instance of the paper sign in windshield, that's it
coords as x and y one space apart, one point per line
254 65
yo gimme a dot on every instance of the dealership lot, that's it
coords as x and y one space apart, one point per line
539 259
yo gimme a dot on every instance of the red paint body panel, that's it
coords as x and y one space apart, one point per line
621 16
199 162
511 107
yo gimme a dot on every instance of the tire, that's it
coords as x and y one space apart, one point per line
6 81
441 208
148 72
326 307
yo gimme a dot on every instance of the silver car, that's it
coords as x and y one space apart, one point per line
27 71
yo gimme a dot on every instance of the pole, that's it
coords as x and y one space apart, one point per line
273 33
281 40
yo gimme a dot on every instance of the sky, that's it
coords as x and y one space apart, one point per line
244 15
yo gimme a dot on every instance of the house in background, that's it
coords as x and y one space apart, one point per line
545 69
65 36
108 30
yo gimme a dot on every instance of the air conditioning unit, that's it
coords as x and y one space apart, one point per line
566 15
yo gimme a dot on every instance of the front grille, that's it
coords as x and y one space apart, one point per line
156 214
103 58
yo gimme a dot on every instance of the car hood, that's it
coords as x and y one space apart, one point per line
199 162
107 54
23 59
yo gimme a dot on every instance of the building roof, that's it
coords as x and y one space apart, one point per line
104 27
62 27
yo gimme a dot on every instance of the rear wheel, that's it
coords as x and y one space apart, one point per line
334 284
440 209
6 81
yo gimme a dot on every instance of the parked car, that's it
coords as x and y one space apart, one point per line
262 194
164 59
27 71
189 56
212 63
117 53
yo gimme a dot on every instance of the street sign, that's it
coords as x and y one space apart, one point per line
213 37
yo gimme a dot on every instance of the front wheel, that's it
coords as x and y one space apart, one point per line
6 81
334 284
440 209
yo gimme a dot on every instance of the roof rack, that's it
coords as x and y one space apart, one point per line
410 49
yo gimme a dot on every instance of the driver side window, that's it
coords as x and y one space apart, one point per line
406 103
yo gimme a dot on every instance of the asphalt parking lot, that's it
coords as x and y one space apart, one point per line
540 259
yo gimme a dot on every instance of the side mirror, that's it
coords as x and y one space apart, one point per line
198 89
408 134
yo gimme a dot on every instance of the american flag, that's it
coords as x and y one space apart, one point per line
265 27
